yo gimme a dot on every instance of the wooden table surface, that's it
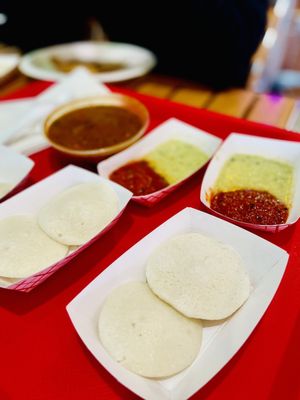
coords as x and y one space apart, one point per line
264 108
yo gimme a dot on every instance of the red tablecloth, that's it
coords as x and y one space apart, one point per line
43 358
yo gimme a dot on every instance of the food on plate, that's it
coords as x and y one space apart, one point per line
8 65
146 335
199 276
68 64
167 164
24 248
139 178
94 127
251 206
77 214
5 188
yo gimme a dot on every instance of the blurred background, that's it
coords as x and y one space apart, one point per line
259 54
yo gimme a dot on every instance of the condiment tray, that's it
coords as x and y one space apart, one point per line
170 129
280 150
264 262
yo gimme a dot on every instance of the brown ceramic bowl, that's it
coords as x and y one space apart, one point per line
115 100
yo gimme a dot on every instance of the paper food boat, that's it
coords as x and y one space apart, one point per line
281 150
170 129
14 169
264 262
31 200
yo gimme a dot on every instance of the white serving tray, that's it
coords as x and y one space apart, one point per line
264 262
32 199
281 150
170 129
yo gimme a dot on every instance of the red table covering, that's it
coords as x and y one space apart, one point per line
43 358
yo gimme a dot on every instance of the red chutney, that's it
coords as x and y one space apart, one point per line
139 178
252 206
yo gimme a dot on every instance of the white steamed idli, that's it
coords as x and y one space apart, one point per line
146 335
76 215
24 248
199 276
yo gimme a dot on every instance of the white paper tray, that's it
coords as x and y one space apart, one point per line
170 129
32 199
14 169
265 263
282 150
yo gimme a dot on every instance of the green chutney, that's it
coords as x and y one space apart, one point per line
175 160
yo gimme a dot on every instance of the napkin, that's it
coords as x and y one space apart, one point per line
22 121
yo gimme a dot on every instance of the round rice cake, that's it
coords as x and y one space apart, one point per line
76 215
146 335
24 248
199 276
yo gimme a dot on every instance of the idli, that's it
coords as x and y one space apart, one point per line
76 215
199 276
146 335
24 248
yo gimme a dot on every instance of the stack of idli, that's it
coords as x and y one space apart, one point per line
29 243
154 329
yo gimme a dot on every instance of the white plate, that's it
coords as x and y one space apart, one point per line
32 199
138 61
281 150
14 169
170 129
264 262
